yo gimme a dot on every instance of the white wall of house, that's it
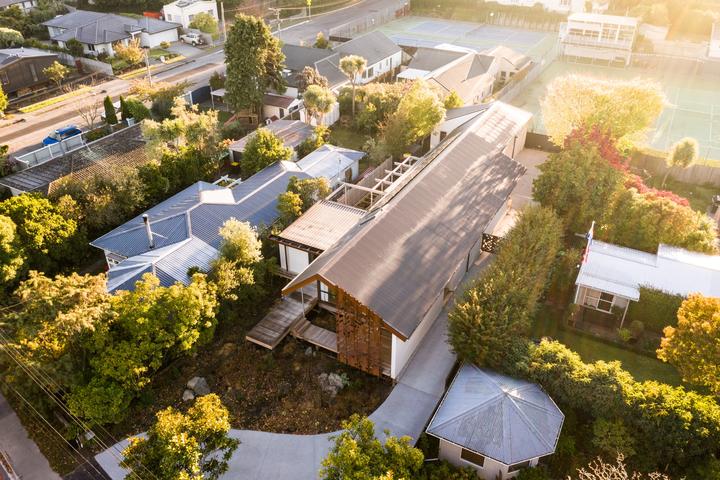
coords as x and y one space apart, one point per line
489 470
599 300
383 66
444 129
293 260
184 15
155 39
403 350
25 5
607 38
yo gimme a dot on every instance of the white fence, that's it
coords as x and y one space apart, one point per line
49 152
368 22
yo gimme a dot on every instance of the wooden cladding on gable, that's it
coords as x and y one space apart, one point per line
360 336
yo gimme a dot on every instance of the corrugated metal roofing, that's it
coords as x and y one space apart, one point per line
506 419
329 161
186 226
96 28
622 271
291 132
399 257
322 225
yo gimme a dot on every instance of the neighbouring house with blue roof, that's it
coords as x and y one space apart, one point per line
182 232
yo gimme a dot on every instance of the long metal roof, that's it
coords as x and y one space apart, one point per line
322 225
507 419
400 256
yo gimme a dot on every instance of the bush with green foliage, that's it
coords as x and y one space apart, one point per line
497 310
207 446
110 115
358 454
263 149
318 139
537 473
660 417
444 470
137 110
206 23
75 48
10 38
217 81
3 102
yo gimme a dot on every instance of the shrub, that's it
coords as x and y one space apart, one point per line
137 110
625 334
165 45
637 328
96 134
444 470
232 131
537 473
657 309
75 48
497 310
217 81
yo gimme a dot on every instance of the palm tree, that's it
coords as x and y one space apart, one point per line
319 101
682 154
353 66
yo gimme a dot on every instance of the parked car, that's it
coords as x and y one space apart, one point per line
61 134
192 38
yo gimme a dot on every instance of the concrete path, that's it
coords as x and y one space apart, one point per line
25 457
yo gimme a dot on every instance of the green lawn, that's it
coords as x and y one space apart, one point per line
349 138
641 367
156 53
699 196
224 116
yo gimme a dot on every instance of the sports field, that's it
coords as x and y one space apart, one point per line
429 32
692 109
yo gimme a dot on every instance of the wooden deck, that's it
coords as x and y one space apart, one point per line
319 336
286 312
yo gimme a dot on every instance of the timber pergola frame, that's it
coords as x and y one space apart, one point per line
382 185
319 278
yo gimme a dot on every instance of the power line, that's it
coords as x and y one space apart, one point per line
38 414
26 367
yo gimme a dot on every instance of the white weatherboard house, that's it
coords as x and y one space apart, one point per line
606 38
98 32
184 11
611 276
24 5
382 54
496 424
714 48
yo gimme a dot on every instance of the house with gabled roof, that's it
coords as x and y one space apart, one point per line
388 277
98 32
181 234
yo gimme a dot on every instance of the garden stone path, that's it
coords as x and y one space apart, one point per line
405 411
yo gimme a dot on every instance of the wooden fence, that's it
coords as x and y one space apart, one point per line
694 174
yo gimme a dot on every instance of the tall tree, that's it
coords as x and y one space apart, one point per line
358 454
621 108
150 325
453 100
206 23
254 63
319 101
189 446
353 67
321 41
578 183
683 153
693 347
310 76
263 149
235 271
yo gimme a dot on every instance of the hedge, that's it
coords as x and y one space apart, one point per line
656 309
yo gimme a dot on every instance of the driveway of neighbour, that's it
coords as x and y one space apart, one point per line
184 49
23 453
406 411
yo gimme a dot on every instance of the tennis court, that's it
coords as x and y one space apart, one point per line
693 108
429 32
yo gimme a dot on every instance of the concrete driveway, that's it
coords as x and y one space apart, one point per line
185 50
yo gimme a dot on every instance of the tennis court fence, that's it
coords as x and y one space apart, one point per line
355 27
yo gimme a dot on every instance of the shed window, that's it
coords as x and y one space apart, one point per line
517 466
472 457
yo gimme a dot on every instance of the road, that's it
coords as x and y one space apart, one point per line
26 135
24 454
36 125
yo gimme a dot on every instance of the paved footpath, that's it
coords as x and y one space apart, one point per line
406 411
24 454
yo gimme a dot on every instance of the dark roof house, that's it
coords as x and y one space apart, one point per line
373 46
391 269
21 69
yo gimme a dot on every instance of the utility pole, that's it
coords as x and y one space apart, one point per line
222 16
309 4
147 64
276 11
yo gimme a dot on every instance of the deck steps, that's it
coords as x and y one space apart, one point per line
276 325
321 337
